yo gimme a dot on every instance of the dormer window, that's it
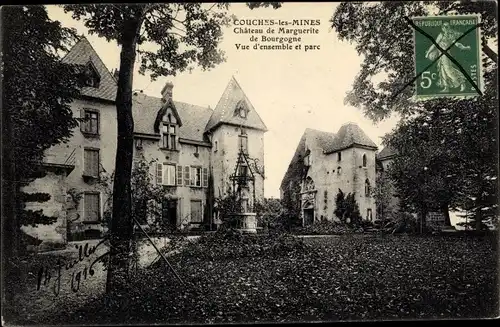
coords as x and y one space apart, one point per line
91 77
241 109
169 136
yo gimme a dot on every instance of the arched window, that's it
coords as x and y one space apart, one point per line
367 188
364 160
309 184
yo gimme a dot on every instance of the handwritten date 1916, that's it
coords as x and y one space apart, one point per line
46 274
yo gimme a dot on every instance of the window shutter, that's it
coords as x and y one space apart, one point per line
82 122
187 176
179 175
159 174
205 177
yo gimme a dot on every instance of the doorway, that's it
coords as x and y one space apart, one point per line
169 214
308 216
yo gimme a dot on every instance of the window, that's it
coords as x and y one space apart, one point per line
215 146
196 211
339 170
243 142
367 188
243 170
91 162
244 205
196 176
241 109
339 156
243 113
91 77
91 207
369 214
187 175
169 137
90 124
364 160
169 175
165 174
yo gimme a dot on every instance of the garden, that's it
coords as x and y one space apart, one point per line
229 277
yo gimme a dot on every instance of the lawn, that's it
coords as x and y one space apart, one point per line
331 278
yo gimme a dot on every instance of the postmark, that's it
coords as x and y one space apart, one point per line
447 56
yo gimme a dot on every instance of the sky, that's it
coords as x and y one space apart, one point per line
291 90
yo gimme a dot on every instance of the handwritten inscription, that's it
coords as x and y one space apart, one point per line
54 273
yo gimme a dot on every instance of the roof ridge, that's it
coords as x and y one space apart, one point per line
176 101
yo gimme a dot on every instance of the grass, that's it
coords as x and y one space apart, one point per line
333 278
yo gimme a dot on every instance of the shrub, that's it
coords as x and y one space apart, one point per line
229 244
326 228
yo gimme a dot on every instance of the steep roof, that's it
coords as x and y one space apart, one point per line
323 140
350 134
194 118
386 153
80 54
298 155
224 111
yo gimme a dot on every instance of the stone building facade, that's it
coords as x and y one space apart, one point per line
325 163
188 146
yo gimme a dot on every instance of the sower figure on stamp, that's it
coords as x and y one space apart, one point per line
448 75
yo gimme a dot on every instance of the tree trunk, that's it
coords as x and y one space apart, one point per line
478 219
121 230
446 213
10 225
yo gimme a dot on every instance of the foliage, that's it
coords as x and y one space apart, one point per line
383 194
37 91
326 227
337 278
269 213
148 197
230 244
346 208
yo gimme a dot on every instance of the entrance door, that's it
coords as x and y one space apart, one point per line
169 214
308 217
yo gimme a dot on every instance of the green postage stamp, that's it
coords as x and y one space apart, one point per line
455 69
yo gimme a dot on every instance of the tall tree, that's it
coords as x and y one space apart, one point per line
455 138
182 35
38 89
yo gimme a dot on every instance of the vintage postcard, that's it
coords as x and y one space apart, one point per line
221 163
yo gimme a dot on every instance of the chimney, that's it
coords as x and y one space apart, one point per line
166 92
115 74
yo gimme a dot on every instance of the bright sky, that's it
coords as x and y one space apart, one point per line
291 90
